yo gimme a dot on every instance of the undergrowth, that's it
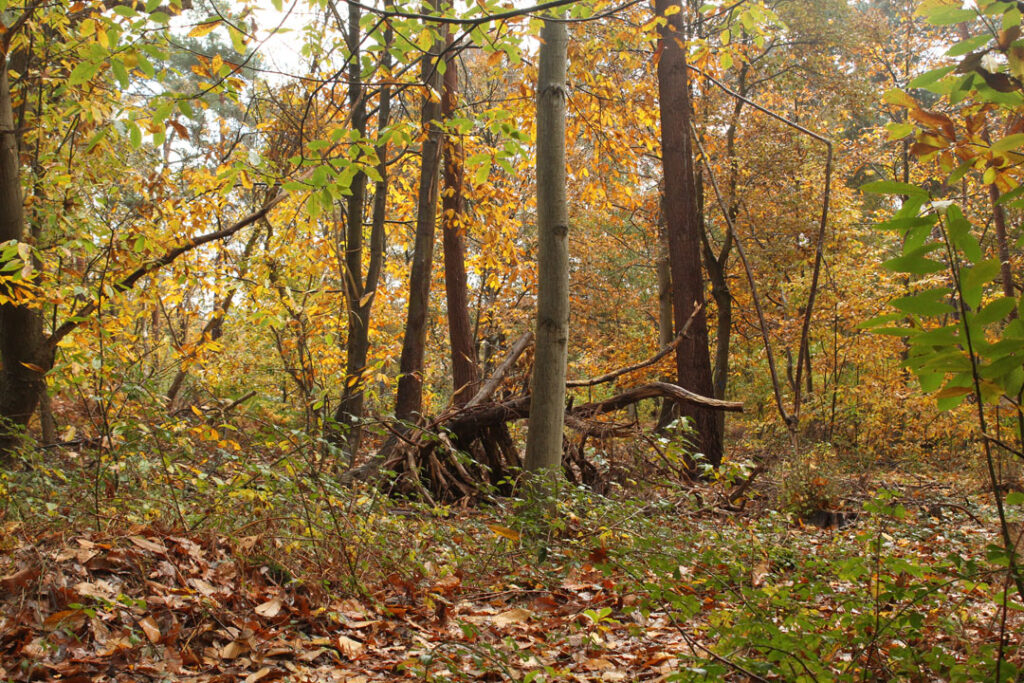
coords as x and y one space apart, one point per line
909 591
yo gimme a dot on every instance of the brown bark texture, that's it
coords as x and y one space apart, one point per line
409 396
460 331
693 366
24 358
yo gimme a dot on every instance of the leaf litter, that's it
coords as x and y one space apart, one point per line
155 605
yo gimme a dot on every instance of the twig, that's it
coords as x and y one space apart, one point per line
822 225
494 380
665 350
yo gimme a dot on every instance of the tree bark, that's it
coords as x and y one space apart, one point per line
547 400
24 359
359 292
409 397
693 366
465 373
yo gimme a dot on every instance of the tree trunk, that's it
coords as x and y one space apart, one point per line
693 365
666 327
547 401
460 331
359 295
409 397
24 358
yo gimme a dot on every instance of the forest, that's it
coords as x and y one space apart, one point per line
584 340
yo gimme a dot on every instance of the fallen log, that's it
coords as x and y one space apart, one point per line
482 415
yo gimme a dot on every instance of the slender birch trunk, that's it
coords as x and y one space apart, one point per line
547 402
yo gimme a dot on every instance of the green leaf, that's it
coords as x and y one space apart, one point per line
1009 143
1011 195
151 5
904 223
915 263
960 234
313 207
120 72
927 303
83 71
995 311
940 336
879 320
1013 381
931 77
481 173
930 381
237 39
134 134
893 187
947 15
959 172
980 274
969 45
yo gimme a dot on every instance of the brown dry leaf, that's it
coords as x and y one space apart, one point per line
149 545
269 609
234 649
517 615
96 589
204 587
18 580
258 675
71 619
349 647
150 628
598 664
759 573
361 624
447 584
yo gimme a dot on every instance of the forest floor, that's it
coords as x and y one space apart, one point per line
670 584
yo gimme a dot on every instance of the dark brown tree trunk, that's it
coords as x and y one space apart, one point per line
359 292
666 325
24 358
460 331
409 397
693 365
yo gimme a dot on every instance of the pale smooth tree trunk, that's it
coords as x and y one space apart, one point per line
693 365
547 401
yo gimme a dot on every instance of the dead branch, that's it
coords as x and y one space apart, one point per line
665 350
494 380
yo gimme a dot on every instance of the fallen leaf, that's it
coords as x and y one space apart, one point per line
149 545
517 615
18 580
150 628
71 619
258 675
269 609
234 649
349 647
505 532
